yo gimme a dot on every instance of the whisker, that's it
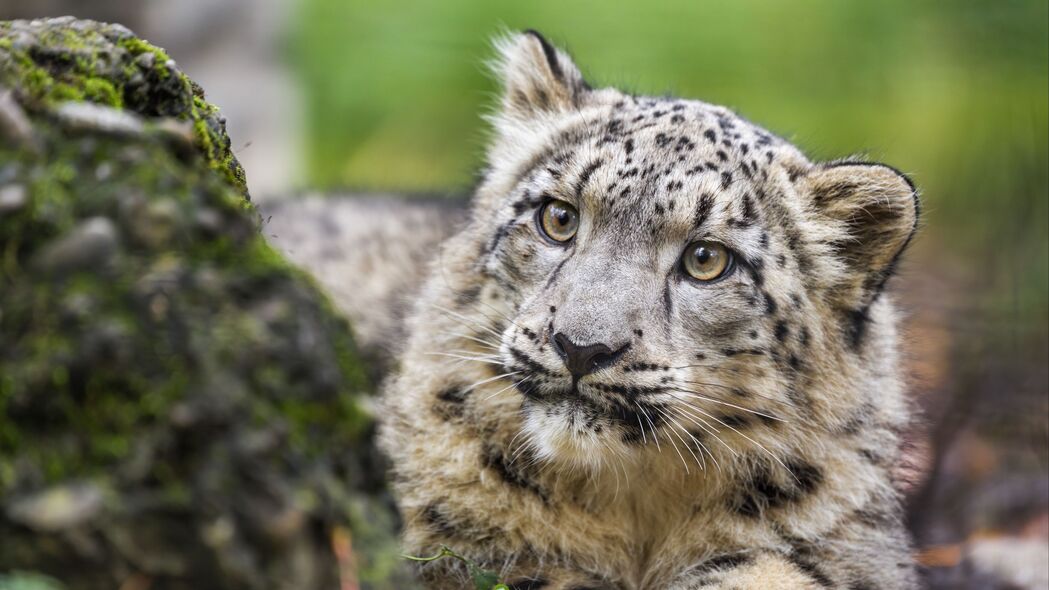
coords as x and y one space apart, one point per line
516 454
674 424
512 385
648 419
724 403
490 379
709 430
730 389
642 426
699 421
468 321
759 445
467 358
702 447
486 343
678 451
473 352
498 313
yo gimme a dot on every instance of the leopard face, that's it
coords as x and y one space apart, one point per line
669 271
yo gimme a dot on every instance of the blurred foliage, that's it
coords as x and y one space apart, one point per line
28 581
955 93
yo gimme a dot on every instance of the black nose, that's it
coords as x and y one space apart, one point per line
583 360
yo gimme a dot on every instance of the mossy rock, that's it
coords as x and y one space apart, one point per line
47 62
179 407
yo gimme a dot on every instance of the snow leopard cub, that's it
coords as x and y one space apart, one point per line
659 355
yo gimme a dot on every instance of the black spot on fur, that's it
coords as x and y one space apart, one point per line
813 571
584 178
492 457
855 327
755 272
750 214
450 403
528 362
501 232
764 491
736 421
770 304
526 202
807 477
438 521
668 303
805 558
456 394
724 562
706 203
530 334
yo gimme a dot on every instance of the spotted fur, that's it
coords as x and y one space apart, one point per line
744 437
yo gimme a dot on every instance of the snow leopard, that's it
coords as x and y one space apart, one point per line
657 352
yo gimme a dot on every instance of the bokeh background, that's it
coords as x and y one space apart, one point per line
347 95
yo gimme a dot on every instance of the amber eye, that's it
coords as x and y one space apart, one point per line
558 220
706 261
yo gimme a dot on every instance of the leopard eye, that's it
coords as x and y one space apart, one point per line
558 220
706 261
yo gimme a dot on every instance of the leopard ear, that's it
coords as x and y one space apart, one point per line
537 78
875 210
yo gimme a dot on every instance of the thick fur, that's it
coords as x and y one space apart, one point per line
745 438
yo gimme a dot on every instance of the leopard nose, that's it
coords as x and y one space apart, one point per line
583 360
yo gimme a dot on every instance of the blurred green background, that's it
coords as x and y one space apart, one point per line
954 93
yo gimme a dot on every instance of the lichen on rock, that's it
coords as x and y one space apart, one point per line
177 402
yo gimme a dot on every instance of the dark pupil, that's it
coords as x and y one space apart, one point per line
704 255
562 217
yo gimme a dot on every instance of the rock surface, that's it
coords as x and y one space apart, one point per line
179 407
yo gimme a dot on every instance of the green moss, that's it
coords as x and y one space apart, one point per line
102 91
86 65
137 47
